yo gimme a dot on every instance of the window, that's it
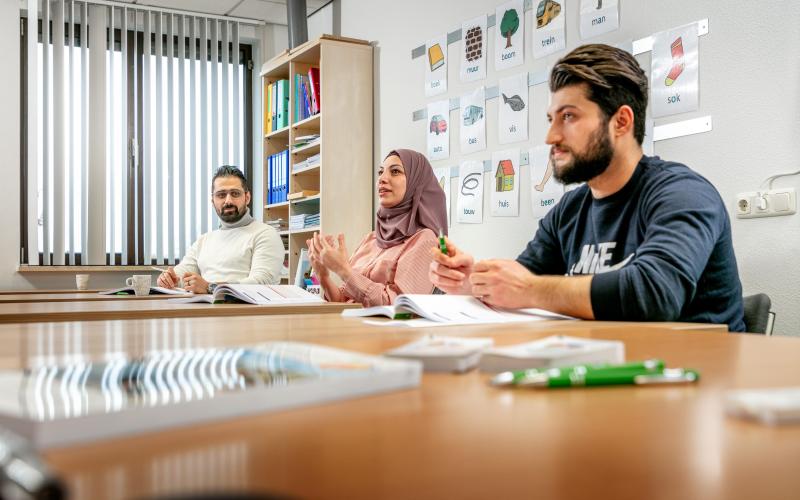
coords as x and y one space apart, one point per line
121 140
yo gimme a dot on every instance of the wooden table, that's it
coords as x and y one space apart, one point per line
20 298
28 312
41 291
453 437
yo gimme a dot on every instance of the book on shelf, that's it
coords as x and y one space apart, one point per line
313 84
444 354
154 290
303 193
124 395
255 294
552 352
277 177
419 310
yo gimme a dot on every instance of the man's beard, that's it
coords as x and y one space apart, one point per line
232 216
588 165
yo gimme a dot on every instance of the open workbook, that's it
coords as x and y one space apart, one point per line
255 294
439 310
154 290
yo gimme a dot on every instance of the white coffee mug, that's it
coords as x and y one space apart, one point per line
140 284
82 281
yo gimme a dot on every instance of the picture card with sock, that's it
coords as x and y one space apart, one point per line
674 86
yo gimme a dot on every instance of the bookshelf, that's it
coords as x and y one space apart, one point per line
343 176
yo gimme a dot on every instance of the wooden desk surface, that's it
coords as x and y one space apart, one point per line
28 312
77 297
43 291
454 436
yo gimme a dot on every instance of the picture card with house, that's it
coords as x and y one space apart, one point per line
472 121
509 40
473 49
546 191
505 184
438 124
674 86
470 192
512 109
436 66
443 176
549 34
598 17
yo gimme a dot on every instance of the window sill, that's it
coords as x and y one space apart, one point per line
25 268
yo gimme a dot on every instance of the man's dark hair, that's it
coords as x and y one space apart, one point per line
230 171
612 76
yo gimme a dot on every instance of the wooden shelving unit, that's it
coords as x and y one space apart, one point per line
343 177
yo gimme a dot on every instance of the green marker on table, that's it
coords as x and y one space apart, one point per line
442 244
650 371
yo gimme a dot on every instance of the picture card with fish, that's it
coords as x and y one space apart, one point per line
470 192
674 86
443 177
473 49
546 191
512 106
550 34
438 124
472 121
509 40
598 17
436 66
505 183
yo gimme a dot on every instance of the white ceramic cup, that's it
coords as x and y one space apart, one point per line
315 289
140 284
82 281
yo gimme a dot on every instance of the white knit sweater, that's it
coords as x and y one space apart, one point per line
250 254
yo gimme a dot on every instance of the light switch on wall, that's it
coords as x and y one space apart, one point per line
766 203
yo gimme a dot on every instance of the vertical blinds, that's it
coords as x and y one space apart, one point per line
129 112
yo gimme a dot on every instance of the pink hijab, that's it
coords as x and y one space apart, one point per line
423 204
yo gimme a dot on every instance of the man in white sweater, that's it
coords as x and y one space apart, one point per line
242 250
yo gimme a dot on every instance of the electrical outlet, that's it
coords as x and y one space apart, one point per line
772 203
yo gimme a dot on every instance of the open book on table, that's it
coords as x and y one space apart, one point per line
255 294
154 290
441 310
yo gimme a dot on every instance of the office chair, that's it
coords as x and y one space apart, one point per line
757 316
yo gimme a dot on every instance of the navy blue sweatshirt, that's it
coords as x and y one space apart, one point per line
660 248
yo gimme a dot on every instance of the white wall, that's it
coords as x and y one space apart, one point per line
749 84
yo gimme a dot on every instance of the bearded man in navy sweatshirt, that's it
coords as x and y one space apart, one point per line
642 240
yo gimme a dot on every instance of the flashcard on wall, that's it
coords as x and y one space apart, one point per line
473 49
505 187
512 107
509 40
598 17
436 66
550 33
545 190
470 192
439 130
473 121
674 72
443 176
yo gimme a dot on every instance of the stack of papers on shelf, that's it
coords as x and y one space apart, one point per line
551 352
114 399
444 310
313 160
305 140
278 224
444 354
302 221
256 294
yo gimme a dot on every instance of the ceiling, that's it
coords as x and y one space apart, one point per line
270 11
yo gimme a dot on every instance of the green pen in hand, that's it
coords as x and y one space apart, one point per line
442 244
533 377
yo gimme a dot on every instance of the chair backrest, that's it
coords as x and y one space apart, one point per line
757 313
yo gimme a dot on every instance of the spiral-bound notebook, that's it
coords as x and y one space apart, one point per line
76 400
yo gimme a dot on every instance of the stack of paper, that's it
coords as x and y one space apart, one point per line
444 354
305 140
278 224
552 352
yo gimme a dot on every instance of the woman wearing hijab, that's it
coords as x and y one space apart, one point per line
393 259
